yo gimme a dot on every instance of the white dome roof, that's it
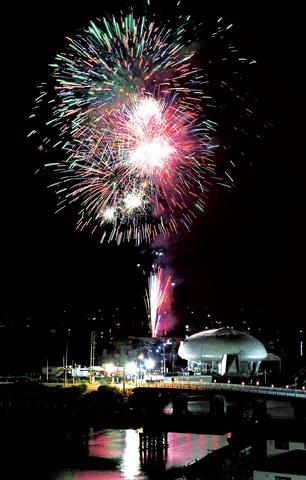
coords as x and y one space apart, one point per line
213 344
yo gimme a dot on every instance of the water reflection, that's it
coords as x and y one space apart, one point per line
122 448
130 465
106 444
186 447
94 475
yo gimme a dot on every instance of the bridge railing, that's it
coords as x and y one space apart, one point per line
232 387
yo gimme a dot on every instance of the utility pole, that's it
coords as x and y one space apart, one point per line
173 356
164 358
92 356
66 363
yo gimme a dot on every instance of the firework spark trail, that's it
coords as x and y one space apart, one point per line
157 297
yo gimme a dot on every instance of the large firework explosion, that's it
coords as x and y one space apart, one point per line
128 105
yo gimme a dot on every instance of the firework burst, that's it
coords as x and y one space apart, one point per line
148 172
128 104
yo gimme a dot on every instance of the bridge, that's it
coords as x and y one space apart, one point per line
228 388
214 407
219 402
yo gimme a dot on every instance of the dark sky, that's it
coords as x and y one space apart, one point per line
248 250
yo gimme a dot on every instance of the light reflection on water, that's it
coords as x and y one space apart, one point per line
122 447
130 463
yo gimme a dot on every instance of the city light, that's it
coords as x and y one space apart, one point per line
109 368
149 363
131 368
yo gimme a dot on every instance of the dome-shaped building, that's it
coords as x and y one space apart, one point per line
223 350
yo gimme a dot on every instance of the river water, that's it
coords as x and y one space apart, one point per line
114 454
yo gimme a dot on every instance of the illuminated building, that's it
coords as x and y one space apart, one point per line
224 351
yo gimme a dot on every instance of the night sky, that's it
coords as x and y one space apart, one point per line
246 253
